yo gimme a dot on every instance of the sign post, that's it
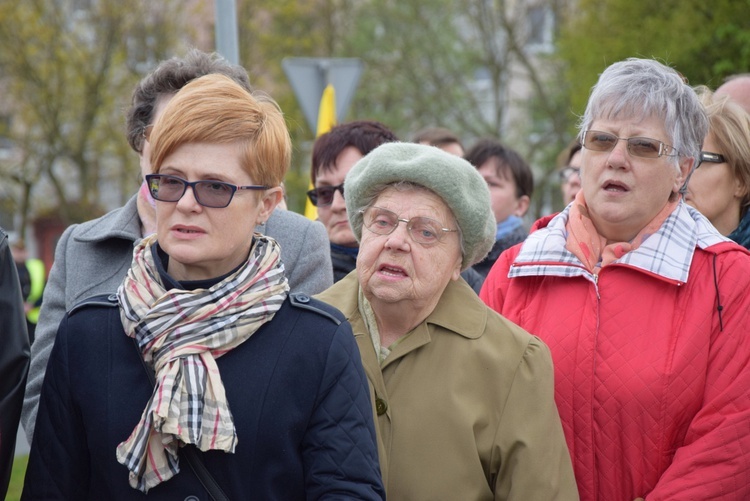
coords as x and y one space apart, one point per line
309 76
226 30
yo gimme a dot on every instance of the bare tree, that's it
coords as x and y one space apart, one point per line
479 67
68 70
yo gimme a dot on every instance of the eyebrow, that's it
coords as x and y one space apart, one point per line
206 176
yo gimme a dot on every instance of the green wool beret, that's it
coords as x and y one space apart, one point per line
452 178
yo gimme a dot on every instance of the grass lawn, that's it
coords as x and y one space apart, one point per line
16 478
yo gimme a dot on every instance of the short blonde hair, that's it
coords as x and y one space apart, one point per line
729 125
215 109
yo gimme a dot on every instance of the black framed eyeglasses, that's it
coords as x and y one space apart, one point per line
711 158
644 147
323 196
213 194
423 230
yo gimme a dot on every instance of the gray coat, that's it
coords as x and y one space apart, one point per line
93 257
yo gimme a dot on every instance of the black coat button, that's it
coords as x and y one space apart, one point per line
380 406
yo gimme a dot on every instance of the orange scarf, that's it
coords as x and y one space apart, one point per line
591 248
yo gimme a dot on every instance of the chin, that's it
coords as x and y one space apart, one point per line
344 241
185 254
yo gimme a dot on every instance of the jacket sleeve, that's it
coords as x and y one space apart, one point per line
713 461
14 359
312 272
339 449
51 313
58 465
534 462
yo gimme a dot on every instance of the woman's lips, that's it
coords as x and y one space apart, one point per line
615 186
393 271
187 231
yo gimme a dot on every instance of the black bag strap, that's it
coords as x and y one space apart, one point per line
188 451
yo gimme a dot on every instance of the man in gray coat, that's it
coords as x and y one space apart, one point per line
93 257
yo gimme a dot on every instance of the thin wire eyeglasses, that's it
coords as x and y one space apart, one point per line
644 147
423 230
568 172
212 194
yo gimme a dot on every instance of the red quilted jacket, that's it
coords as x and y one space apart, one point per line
652 373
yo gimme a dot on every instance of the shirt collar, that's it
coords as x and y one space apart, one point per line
667 253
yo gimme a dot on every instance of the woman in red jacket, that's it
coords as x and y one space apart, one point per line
642 302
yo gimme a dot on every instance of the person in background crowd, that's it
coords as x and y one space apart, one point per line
442 138
334 154
92 258
511 185
264 388
463 398
446 140
719 187
737 87
33 275
643 304
14 359
569 169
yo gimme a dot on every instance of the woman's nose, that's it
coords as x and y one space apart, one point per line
338 202
399 238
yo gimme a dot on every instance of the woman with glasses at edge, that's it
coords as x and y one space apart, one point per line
203 359
569 170
719 187
642 302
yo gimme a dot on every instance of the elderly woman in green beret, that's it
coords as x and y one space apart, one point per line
463 399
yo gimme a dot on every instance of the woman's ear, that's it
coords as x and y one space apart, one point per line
740 190
269 201
522 206
686 164
457 269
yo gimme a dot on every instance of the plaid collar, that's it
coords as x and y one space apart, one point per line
666 254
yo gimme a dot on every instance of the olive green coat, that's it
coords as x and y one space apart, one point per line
464 405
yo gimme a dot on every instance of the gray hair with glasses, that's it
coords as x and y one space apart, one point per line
640 88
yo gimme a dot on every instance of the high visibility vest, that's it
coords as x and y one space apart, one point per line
37 273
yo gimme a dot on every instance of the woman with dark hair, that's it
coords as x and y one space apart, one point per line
511 185
334 153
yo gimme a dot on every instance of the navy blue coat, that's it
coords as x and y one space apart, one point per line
296 389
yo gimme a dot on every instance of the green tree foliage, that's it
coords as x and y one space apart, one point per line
271 30
705 41
470 65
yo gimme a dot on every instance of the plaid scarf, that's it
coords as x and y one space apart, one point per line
591 248
181 333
